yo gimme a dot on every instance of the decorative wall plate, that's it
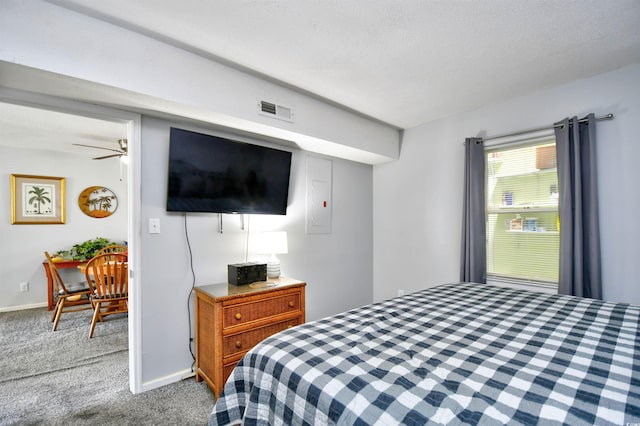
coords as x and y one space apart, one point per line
98 202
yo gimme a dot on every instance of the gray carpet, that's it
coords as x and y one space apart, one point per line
63 378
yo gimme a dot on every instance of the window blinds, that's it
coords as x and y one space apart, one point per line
522 212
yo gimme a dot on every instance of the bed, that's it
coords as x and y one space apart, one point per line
460 353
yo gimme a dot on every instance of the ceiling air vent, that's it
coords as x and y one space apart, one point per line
273 110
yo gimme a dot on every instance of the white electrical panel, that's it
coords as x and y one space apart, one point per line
318 185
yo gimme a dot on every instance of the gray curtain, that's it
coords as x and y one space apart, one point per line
580 273
473 259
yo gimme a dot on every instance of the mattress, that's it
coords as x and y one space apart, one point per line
460 353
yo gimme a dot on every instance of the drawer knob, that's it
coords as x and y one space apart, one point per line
291 304
289 326
238 344
238 316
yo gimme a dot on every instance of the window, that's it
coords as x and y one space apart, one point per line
522 213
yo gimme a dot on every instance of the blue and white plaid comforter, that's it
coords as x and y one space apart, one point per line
453 354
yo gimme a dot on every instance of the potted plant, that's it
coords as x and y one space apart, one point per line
85 250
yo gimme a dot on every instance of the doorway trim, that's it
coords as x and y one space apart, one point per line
133 122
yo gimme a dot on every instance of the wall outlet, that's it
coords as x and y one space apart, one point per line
400 292
24 287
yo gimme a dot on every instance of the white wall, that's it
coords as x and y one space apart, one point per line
337 267
418 199
22 248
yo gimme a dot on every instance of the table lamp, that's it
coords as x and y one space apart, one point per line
273 243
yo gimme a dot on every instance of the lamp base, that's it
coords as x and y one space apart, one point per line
273 267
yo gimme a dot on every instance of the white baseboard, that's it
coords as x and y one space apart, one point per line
166 380
22 307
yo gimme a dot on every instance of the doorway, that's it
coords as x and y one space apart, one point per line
127 174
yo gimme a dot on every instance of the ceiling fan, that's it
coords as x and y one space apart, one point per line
122 152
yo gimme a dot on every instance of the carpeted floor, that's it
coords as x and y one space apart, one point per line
65 378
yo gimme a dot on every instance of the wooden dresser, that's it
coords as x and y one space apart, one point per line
232 319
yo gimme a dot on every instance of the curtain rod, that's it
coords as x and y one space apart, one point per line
539 129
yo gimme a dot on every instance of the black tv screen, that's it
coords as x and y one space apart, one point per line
218 175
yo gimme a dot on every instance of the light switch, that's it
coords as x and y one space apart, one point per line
154 225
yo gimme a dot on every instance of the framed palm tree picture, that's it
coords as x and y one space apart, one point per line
37 200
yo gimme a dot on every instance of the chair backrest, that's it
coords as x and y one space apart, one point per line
108 275
58 284
116 248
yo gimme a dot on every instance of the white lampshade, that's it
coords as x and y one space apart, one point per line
272 243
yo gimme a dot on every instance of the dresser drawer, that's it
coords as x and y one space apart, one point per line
242 313
226 371
242 342
231 319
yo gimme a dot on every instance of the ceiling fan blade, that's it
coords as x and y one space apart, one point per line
108 156
98 147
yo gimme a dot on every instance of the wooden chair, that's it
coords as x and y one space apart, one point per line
108 276
70 298
116 248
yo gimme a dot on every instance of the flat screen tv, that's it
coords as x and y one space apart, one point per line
218 175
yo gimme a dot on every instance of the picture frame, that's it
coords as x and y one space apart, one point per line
37 200
98 202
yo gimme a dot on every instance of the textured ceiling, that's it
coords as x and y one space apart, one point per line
34 128
402 62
